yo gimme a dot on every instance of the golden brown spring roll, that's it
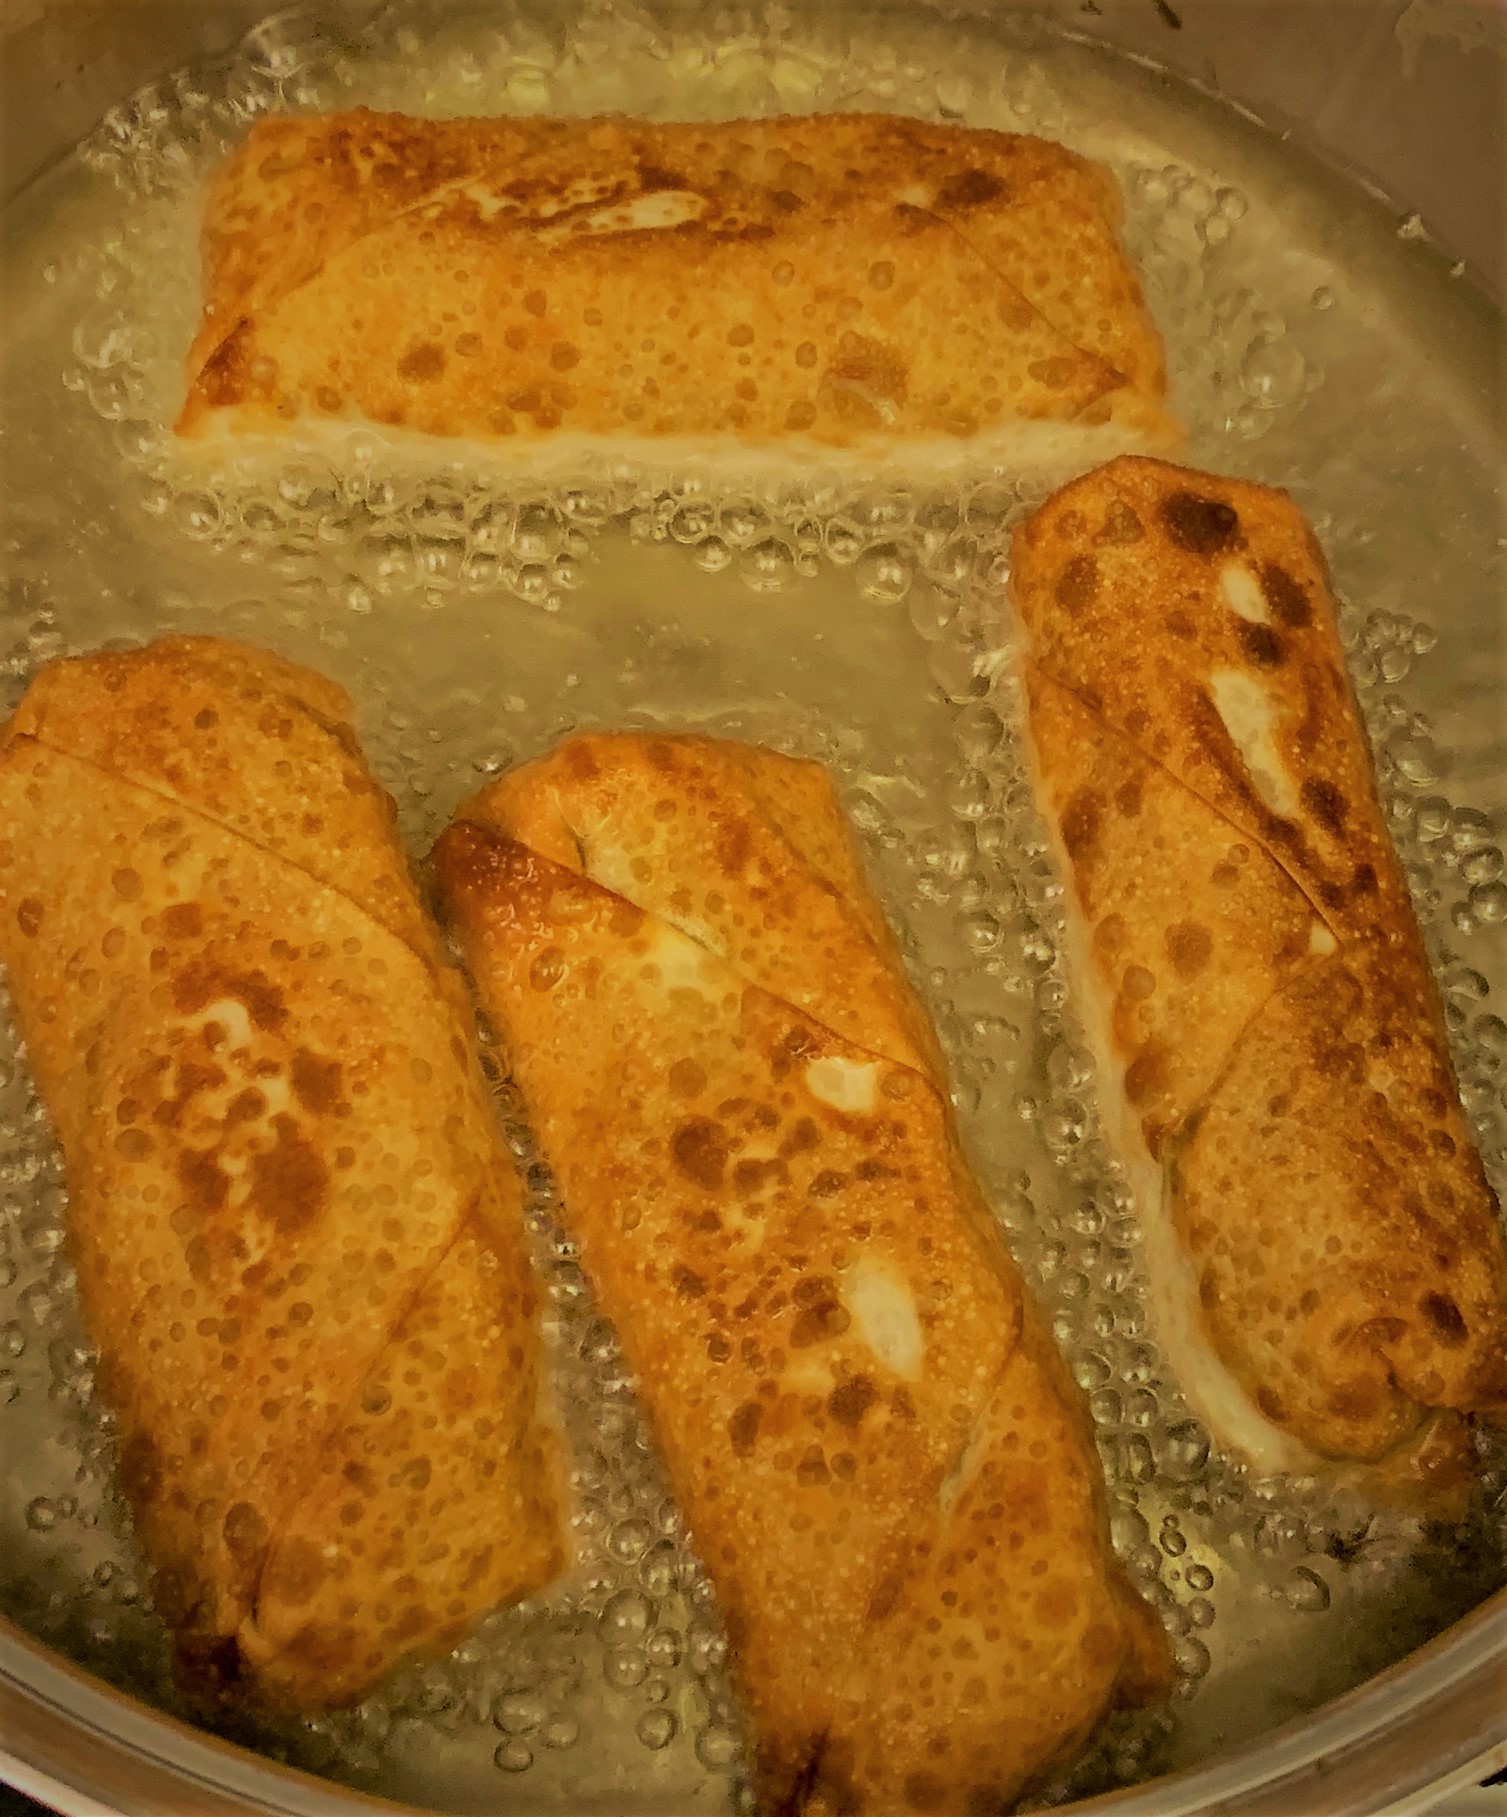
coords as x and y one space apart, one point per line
824 283
884 1465
297 1231
1328 1263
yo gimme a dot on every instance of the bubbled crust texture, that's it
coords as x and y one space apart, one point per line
297 1233
1269 1000
837 280
906 1532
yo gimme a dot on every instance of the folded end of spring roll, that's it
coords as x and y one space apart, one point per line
810 287
297 1232
883 1464
1329 1264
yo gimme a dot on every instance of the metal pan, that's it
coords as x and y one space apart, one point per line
1404 101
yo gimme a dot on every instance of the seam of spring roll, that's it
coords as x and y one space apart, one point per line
1426 1411
1146 756
364 232
1118 381
980 1218
1306 964
938 1083
956 1480
1154 1202
995 1250
1297 1453
804 1784
213 820
1127 1131
468 1221
274 298
496 836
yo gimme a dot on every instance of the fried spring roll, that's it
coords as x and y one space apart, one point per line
1329 1268
883 1462
297 1232
833 282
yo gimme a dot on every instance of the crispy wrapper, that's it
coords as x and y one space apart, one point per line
297 1231
830 282
1330 1262
882 1460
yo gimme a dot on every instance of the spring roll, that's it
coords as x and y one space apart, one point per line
883 1462
1328 1266
297 1232
835 282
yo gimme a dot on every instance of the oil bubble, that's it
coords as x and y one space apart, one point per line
844 542
957 672
712 555
1488 903
1273 373
717 1747
627 1617
656 1728
931 611
768 566
625 1667
1185 1450
1306 1591
658 1568
520 1714
631 1539
706 1648
884 573
561 1732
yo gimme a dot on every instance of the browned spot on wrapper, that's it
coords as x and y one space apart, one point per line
743 1427
1325 802
288 1184
1285 597
1188 947
1203 526
1444 1316
244 1529
423 362
700 1150
1078 583
316 1082
850 1400
204 982
1081 820
970 190
1260 643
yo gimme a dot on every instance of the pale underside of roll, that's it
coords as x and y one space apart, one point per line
814 286
297 1231
1325 1250
883 1463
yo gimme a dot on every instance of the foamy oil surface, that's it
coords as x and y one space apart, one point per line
477 617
